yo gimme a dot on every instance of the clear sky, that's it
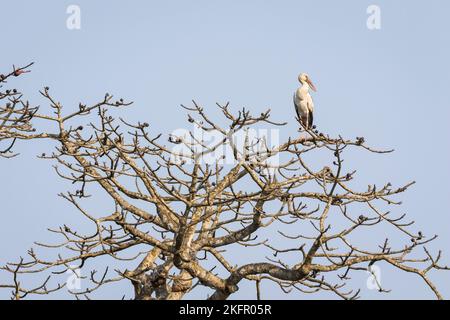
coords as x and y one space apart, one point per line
389 85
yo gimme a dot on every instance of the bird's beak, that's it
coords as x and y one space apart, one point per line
311 84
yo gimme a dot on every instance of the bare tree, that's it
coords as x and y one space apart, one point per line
181 223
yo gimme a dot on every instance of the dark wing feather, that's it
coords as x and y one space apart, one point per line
297 109
299 116
310 122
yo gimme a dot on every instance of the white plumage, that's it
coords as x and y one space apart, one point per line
303 102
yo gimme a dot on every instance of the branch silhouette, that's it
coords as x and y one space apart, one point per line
179 218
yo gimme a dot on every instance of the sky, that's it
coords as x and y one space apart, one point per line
389 85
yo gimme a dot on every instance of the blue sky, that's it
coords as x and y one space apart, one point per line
388 85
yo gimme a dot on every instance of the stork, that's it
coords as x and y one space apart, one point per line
304 106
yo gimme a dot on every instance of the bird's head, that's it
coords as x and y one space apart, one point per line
304 78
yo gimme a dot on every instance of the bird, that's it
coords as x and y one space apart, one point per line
304 106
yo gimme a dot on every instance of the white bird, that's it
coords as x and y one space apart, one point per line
303 102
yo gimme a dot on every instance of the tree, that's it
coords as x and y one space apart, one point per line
185 220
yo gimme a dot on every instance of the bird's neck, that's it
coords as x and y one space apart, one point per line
305 87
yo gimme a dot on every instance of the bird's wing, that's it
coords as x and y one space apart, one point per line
297 106
301 107
310 103
310 106
302 112
310 119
